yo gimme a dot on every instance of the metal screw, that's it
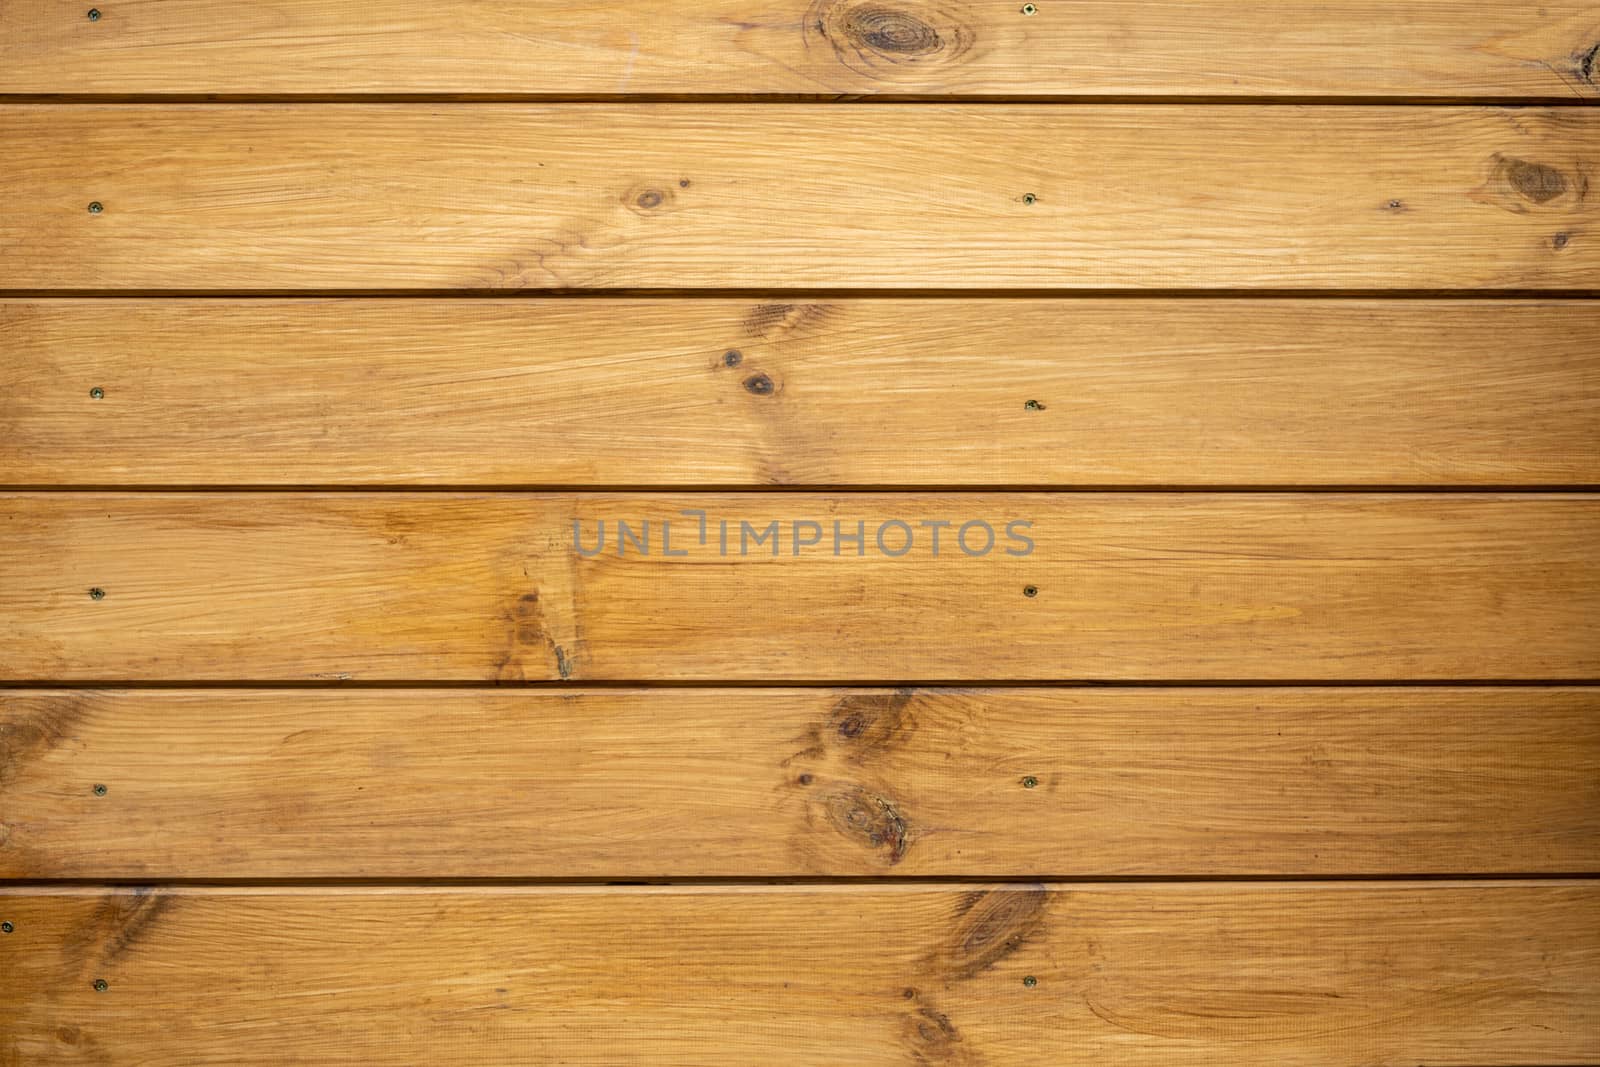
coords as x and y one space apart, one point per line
97 393
1030 590
1029 198
99 790
1029 782
732 357
97 593
95 207
1029 9
1033 405
1030 981
94 14
101 985
6 928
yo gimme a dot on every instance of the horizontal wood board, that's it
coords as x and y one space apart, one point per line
416 197
862 392
1358 48
792 783
493 587
1287 975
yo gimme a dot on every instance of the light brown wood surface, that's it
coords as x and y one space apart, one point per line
478 587
1351 975
862 392
691 783
897 196
1416 48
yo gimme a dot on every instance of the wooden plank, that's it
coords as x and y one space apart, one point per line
1292 975
688 783
488 196
635 392
1090 47
453 586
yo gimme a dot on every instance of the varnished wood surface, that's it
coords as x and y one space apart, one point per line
898 196
690 783
1285 975
862 392
479 587
1414 48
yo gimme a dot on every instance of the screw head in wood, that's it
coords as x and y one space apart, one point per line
1030 782
6 928
1033 405
95 207
1029 198
94 14
97 393
101 985
1030 981
97 593
1030 590
1029 9
99 789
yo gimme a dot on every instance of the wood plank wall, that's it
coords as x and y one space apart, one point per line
1254 343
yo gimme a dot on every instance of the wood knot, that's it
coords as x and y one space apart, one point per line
990 926
866 724
647 199
759 385
886 30
1522 185
885 41
933 1038
870 819
1538 182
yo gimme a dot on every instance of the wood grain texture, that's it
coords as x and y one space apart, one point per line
1090 47
1293 975
898 196
688 783
481 587
863 392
